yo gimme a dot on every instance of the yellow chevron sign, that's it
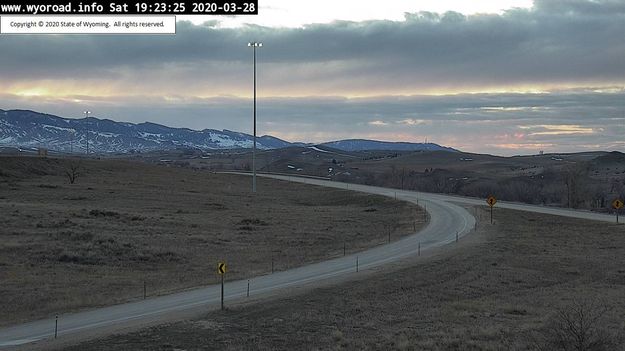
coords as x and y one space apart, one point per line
221 268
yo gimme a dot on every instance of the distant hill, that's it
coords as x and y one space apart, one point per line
29 129
363 144
613 157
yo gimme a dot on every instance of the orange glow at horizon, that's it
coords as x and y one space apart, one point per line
559 129
67 89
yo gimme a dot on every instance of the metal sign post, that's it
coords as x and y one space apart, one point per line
221 269
491 201
617 205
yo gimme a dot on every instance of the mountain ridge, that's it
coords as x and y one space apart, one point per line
31 129
366 144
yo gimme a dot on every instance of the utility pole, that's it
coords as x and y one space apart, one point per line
254 45
87 122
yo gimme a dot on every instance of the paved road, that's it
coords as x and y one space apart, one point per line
412 195
446 221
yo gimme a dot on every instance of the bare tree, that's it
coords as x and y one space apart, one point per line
574 179
73 171
368 178
245 166
580 326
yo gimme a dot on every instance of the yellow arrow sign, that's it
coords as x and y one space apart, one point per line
617 204
491 201
221 268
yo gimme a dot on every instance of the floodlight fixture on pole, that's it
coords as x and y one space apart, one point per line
254 45
86 117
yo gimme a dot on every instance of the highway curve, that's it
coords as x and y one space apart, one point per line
446 222
429 197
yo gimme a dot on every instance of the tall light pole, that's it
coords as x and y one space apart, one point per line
87 122
254 45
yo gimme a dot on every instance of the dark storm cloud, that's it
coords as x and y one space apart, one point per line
556 42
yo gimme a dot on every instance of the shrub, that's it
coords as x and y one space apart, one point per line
581 326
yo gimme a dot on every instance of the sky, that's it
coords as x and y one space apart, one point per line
501 77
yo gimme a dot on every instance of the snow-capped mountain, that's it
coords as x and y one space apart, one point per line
28 129
32 129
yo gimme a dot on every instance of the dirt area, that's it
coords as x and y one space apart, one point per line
66 247
498 289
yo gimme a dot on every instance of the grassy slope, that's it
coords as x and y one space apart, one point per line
65 247
492 292
537 179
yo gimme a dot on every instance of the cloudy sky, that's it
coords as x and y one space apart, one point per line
502 77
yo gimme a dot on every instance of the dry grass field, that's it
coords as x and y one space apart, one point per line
499 289
589 180
65 247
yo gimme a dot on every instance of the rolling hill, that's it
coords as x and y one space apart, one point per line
29 129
